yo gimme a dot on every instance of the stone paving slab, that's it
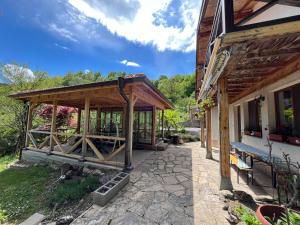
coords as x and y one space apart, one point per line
177 186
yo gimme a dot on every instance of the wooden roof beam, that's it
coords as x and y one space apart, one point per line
279 74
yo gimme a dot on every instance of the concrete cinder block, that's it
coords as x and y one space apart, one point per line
35 219
109 190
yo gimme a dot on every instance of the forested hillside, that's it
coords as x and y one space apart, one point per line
178 88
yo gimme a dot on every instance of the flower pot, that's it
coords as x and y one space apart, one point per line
257 133
276 137
293 140
247 132
270 211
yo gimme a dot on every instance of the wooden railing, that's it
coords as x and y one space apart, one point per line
118 146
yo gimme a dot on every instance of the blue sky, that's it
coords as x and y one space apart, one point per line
155 37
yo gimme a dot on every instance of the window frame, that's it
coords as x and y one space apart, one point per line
277 110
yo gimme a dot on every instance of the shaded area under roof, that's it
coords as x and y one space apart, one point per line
102 94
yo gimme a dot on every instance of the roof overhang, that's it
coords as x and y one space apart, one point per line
102 94
253 58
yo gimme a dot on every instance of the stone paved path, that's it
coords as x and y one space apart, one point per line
177 186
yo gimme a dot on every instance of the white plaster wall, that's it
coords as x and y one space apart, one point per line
268 118
275 12
215 126
232 123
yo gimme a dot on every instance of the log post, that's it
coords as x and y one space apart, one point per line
78 121
208 134
85 126
29 123
130 130
53 126
124 121
202 134
98 121
225 183
153 134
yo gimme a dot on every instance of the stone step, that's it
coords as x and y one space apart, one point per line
35 219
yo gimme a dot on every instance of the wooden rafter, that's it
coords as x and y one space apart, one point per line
280 74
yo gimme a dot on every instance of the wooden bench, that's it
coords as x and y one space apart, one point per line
241 166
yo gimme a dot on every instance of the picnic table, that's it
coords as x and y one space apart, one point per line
259 155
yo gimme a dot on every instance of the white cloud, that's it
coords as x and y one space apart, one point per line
145 22
86 71
14 72
129 63
61 46
62 32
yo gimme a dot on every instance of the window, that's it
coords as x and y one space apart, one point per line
143 127
288 111
110 121
254 116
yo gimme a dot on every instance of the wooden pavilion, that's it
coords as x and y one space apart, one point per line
126 116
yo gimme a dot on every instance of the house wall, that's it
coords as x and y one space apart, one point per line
268 119
215 127
275 12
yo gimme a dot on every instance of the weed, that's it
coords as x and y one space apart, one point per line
73 190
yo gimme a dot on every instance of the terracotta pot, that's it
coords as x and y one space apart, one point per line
276 137
293 140
271 211
257 133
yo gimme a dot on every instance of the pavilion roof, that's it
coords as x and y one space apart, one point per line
102 94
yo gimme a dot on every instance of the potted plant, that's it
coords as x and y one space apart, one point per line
295 139
276 214
256 133
247 131
265 213
276 136
206 104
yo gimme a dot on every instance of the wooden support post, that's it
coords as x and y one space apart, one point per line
202 132
78 121
208 134
124 121
130 128
225 183
53 126
163 124
29 123
153 134
98 121
85 126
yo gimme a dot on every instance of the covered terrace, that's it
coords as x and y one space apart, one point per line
125 116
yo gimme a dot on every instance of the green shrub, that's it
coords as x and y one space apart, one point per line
247 216
293 217
189 137
72 190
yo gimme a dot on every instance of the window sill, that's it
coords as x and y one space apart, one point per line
255 136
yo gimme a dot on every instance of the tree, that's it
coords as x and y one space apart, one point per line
173 119
63 116
13 113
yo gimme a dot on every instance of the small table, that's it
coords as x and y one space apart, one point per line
259 155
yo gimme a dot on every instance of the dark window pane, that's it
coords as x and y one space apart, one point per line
285 112
254 115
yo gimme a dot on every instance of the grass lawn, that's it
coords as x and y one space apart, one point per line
5 160
24 191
